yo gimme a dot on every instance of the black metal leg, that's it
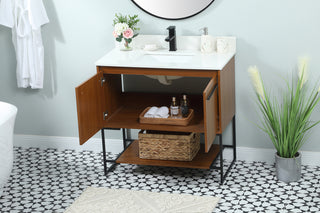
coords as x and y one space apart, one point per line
234 137
220 155
113 162
232 146
104 152
124 138
221 159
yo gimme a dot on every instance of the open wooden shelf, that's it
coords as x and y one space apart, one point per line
128 117
132 105
201 161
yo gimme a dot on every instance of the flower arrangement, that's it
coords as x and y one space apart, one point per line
124 28
286 119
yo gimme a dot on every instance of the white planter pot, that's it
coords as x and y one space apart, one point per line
288 169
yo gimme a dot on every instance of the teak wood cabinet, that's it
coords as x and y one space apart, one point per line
101 104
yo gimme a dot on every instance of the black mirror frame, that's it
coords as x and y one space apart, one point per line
172 18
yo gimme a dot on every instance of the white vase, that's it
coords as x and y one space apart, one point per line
288 169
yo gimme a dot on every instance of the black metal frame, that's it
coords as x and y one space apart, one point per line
219 156
104 154
172 18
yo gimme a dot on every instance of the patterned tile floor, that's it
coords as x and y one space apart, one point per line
50 180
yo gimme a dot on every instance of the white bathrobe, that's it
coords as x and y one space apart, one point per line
26 17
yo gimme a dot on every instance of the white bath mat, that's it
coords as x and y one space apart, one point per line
102 200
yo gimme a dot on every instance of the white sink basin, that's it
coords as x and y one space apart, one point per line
166 57
169 57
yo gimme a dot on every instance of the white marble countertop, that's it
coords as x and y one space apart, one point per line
140 58
180 59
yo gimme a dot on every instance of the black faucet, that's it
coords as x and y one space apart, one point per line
172 38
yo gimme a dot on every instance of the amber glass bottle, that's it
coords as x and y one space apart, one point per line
174 108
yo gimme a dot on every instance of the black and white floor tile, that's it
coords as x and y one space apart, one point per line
50 180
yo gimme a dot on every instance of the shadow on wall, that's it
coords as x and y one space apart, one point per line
7 61
50 34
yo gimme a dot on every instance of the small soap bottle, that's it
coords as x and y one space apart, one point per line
184 106
206 41
174 108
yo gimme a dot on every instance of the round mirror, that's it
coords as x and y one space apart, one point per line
173 9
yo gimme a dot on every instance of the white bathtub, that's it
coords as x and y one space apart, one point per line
8 114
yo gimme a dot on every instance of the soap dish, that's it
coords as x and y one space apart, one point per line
150 47
178 121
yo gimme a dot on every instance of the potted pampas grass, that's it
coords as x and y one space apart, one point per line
286 119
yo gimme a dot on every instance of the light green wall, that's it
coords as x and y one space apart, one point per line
270 34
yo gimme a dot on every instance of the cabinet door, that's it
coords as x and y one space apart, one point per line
89 107
210 112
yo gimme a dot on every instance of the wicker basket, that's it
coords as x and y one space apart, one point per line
168 145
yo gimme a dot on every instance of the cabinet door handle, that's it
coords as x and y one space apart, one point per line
102 80
212 91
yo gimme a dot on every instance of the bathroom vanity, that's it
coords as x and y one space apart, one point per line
102 103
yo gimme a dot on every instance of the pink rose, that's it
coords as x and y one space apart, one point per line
128 33
115 34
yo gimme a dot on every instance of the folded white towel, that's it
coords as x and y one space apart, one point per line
151 112
163 116
162 112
